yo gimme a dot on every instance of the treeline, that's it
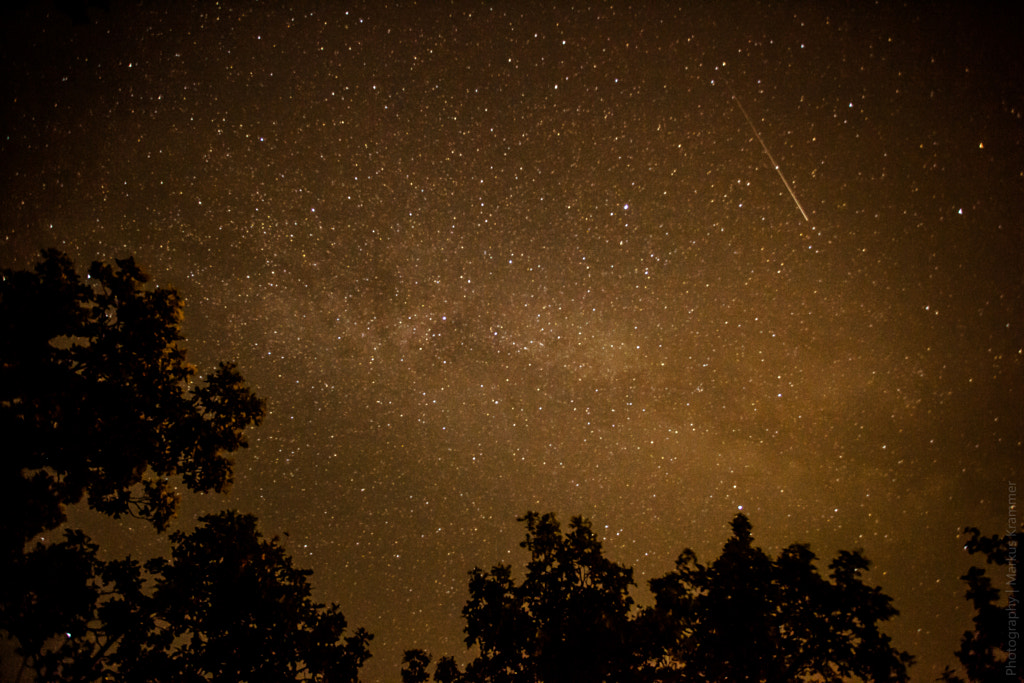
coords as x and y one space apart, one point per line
98 406
744 617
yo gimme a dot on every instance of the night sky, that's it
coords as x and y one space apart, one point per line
486 259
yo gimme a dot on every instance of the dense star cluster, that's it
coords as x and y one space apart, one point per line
482 259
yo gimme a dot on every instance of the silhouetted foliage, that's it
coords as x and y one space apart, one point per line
567 620
746 617
97 400
62 586
238 610
98 403
985 652
228 606
414 666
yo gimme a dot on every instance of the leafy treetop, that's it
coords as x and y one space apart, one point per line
98 402
746 617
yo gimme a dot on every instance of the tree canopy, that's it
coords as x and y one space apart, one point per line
567 620
97 400
988 652
749 617
99 405
234 607
745 617
228 605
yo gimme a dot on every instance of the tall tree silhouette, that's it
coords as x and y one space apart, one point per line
747 617
744 618
98 404
71 611
235 608
228 605
567 620
985 653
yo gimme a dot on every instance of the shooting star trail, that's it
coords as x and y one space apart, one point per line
765 148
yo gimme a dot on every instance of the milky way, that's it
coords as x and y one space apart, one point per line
481 260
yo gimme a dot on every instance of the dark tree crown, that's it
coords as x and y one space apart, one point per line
98 402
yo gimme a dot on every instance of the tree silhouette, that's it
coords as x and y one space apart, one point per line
228 606
72 608
236 609
97 402
985 652
567 621
416 668
747 617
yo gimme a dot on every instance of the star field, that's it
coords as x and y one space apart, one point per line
481 259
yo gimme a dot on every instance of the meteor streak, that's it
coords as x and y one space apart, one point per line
765 148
